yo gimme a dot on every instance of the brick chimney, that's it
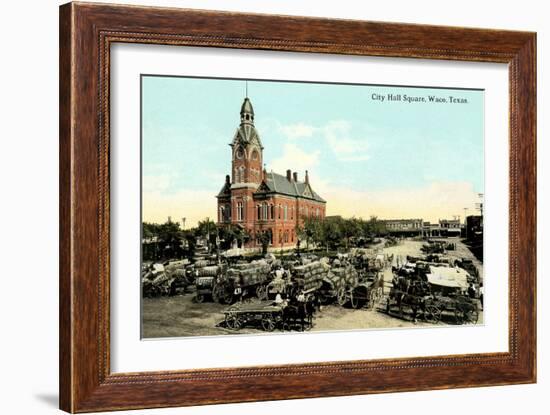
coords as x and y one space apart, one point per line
307 178
295 176
288 175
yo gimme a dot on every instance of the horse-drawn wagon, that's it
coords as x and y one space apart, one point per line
368 291
265 314
437 296
269 316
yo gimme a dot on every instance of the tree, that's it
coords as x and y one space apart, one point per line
162 240
264 238
208 230
350 228
331 233
229 233
309 229
375 226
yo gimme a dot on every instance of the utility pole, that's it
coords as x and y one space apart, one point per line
466 222
480 207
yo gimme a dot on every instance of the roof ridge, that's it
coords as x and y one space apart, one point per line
273 180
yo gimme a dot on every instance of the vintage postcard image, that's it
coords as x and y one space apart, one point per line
283 207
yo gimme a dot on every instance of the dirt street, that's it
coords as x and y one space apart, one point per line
181 316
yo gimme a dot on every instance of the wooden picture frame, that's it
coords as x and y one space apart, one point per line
86 33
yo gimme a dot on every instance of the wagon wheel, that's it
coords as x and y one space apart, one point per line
216 293
268 323
341 296
471 316
355 302
459 315
261 292
323 299
233 322
221 294
432 314
199 298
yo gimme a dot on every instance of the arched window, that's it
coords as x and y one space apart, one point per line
272 213
286 212
240 211
259 212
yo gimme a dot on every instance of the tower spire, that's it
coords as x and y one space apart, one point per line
246 88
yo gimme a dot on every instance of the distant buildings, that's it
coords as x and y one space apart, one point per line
450 227
405 227
418 227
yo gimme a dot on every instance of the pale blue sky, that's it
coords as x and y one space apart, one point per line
344 137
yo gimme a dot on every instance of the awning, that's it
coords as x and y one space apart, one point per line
448 277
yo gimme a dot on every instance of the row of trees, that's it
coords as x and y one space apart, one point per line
334 232
168 240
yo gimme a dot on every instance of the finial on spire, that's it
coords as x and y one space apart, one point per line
246 88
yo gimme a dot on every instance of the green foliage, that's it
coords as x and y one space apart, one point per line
162 241
265 239
337 232
208 230
230 233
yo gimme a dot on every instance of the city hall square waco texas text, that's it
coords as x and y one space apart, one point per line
286 207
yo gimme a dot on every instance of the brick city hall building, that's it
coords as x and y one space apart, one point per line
261 201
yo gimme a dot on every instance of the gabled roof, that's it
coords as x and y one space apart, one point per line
276 183
225 191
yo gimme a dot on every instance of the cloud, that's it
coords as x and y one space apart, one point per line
299 130
295 158
157 182
336 134
344 147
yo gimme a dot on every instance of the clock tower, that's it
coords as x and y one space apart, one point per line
268 206
246 151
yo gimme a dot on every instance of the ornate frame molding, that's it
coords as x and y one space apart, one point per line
86 34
